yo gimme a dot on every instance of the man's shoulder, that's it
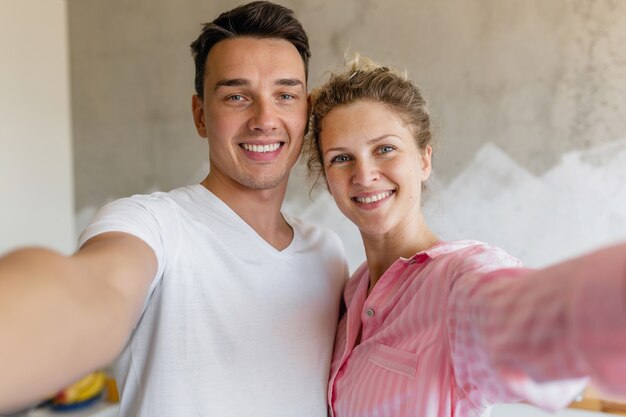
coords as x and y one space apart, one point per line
157 202
185 193
140 210
312 231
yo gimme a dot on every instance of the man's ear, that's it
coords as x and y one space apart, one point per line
197 108
309 107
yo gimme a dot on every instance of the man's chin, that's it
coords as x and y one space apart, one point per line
262 183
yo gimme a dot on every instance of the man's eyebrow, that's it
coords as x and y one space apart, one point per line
289 82
242 82
232 82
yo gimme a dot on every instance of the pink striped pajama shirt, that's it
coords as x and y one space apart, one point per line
456 328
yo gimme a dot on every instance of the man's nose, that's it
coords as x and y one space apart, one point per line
264 117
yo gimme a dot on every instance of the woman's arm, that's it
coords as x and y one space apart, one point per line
528 329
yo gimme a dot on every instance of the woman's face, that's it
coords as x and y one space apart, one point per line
373 166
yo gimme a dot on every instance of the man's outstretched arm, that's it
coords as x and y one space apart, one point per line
64 316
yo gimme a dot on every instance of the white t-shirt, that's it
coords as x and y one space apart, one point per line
231 326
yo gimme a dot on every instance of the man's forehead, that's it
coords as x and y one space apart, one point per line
251 59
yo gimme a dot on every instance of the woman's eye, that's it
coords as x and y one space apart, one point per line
339 159
386 149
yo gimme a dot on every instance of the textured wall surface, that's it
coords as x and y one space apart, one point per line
36 177
521 91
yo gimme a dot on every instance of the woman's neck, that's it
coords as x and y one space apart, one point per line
383 250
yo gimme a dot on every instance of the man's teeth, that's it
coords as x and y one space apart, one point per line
374 198
260 148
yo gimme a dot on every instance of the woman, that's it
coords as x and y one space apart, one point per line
436 328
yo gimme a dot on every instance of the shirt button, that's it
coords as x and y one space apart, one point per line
370 312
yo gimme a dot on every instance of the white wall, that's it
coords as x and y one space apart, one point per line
36 178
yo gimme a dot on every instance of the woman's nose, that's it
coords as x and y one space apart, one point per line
365 172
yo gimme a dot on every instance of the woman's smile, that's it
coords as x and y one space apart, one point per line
373 199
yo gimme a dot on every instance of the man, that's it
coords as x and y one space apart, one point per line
219 304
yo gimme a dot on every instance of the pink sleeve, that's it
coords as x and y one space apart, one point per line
518 334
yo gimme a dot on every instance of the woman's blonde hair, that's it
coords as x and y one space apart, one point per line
365 80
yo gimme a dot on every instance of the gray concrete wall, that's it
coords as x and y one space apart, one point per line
518 84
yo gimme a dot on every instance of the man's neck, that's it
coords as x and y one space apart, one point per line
260 209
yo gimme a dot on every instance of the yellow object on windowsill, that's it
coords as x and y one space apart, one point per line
81 393
594 401
112 395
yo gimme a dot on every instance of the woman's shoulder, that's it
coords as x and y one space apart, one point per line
361 273
473 255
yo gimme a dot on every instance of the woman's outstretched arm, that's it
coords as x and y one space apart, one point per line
520 334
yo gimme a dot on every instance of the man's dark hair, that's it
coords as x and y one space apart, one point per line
259 19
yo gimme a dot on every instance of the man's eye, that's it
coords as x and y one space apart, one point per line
287 97
235 97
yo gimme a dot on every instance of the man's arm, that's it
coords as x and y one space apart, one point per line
62 317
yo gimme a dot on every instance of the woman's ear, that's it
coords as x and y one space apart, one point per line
426 160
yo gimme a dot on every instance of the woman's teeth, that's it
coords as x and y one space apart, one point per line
373 199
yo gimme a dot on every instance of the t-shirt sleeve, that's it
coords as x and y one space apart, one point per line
518 334
148 218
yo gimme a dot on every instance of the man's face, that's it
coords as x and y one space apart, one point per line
254 111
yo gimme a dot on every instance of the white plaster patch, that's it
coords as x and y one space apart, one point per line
578 205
